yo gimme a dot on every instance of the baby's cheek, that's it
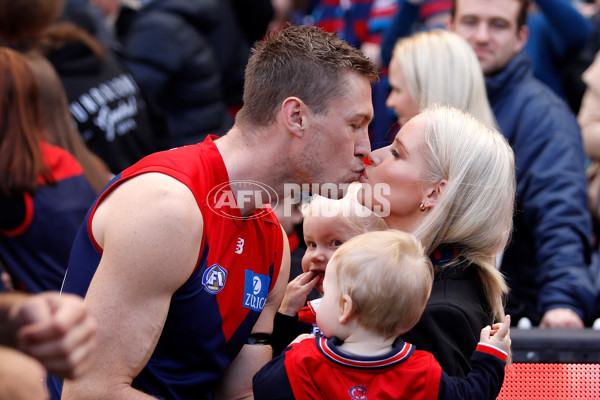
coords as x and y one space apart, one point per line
305 263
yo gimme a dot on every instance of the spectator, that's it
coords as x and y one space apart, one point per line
169 53
547 263
44 193
436 67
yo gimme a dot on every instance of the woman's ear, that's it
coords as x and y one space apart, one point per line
434 193
346 309
293 115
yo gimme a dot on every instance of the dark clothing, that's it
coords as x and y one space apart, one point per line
35 247
556 32
455 313
241 23
547 260
106 104
169 54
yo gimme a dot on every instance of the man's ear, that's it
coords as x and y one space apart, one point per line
433 193
522 36
346 309
293 115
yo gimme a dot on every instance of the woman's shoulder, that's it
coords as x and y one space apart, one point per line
459 286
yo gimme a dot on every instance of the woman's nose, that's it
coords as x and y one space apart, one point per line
377 156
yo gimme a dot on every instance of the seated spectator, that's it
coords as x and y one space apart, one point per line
44 194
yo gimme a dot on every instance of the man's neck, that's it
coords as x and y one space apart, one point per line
255 165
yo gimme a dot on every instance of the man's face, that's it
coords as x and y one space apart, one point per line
338 138
490 26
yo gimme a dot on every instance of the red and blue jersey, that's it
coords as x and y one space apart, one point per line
349 19
319 369
213 312
36 253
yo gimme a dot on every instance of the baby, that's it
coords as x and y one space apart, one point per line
327 225
375 288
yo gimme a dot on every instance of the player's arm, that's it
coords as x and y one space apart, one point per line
237 381
150 229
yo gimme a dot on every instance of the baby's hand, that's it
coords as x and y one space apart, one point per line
497 335
296 292
302 337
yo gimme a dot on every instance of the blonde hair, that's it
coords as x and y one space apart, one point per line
388 276
475 210
440 67
356 217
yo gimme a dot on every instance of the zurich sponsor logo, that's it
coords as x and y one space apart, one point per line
214 278
256 288
358 392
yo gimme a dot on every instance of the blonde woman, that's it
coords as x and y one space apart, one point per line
436 67
451 182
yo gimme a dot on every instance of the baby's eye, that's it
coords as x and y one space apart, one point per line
336 243
311 244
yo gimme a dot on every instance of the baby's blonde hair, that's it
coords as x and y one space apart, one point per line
388 276
358 218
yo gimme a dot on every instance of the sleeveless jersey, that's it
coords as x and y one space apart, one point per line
212 314
36 253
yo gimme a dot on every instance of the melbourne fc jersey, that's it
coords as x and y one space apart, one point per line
36 253
212 314
319 369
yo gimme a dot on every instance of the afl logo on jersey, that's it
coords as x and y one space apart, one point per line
358 392
214 278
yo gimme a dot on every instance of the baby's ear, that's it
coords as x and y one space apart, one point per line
347 309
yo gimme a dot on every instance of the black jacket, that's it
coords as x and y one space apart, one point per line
168 51
106 104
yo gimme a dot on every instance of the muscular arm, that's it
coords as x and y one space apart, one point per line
237 381
150 229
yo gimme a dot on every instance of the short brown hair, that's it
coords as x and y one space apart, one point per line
388 277
301 61
521 17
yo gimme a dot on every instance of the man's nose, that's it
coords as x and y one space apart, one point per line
482 33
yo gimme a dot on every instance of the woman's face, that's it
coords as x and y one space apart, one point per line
400 99
392 185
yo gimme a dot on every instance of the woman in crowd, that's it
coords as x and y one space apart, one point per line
44 194
436 67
